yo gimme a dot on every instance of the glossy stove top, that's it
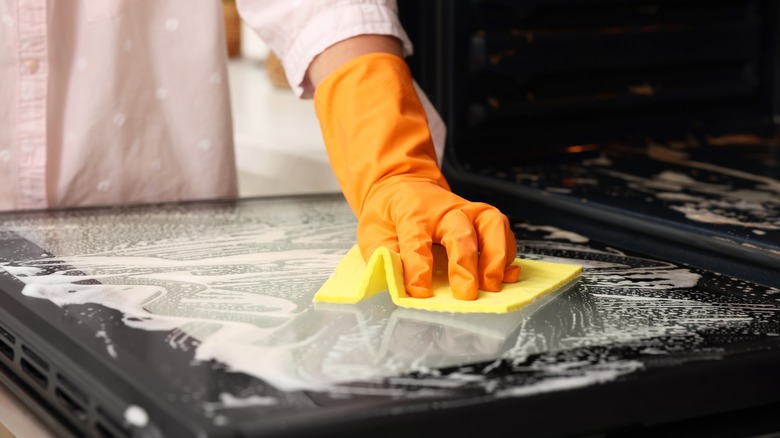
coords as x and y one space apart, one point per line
196 319
720 196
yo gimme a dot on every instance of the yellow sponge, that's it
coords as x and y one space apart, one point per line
355 280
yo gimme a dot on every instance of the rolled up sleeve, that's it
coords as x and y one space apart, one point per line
298 30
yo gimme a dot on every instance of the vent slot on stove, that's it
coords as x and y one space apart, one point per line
4 334
35 374
7 349
36 379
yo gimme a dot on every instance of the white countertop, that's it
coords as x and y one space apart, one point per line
279 147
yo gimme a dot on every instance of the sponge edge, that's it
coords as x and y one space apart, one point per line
355 280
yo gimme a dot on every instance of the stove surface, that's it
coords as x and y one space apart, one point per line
204 312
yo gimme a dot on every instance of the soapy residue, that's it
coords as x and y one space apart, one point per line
706 192
136 416
227 401
728 191
235 287
554 233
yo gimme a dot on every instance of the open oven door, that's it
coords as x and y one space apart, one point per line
650 125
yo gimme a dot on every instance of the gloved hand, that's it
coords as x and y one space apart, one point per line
380 148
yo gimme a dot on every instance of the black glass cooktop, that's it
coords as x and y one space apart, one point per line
712 196
197 320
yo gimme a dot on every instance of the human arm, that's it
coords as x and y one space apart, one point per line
381 151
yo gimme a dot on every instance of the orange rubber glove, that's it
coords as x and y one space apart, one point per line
380 148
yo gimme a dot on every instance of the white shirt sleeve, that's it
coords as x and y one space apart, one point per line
299 30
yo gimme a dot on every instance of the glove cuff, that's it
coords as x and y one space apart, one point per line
374 126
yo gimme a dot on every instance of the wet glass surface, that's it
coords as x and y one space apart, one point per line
726 189
212 304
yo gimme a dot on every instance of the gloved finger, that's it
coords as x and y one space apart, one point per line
375 235
496 248
414 240
512 272
456 232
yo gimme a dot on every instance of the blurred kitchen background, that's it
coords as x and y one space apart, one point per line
279 148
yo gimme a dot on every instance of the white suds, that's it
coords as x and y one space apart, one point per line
136 416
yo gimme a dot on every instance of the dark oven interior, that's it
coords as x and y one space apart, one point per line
647 124
541 76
